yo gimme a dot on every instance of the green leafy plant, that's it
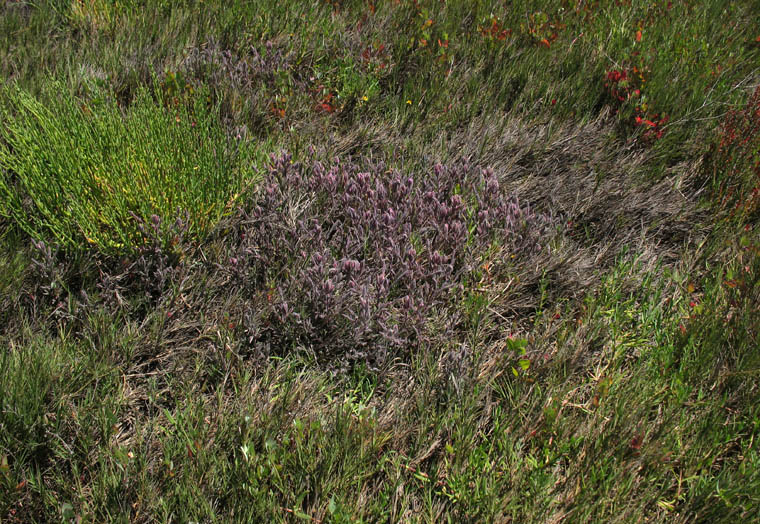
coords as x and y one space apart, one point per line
518 347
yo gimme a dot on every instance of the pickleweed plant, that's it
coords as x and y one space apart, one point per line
355 262
74 172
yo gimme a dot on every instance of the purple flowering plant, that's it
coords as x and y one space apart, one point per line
354 262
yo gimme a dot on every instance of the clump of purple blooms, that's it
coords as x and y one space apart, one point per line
355 263
244 70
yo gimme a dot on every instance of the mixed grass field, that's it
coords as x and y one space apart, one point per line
379 261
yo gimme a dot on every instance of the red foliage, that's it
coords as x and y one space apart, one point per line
625 84
326 104
738 152
495 30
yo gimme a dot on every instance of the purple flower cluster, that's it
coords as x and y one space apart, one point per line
355 263
217 65
146 273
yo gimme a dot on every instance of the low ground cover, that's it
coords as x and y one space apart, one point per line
379 261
